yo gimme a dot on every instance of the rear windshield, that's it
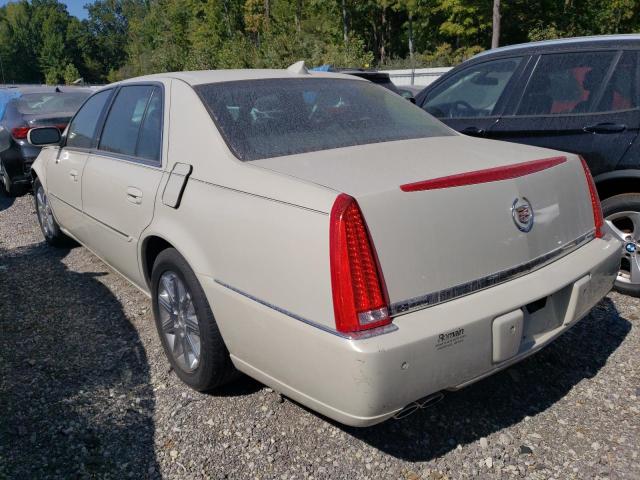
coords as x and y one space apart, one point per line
275 117
50 102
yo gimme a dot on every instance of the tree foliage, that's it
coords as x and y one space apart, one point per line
40 41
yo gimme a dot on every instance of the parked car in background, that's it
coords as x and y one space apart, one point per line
579 95
323 235
379 78
23 108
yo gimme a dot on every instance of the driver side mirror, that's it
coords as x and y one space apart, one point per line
44 136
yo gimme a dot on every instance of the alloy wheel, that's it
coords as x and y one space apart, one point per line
626 227
179 321
45 213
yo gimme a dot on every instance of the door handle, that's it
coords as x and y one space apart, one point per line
134 195
74 175
473 131
605 128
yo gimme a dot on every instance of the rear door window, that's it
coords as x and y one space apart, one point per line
472 92
82 130
123 124
565 83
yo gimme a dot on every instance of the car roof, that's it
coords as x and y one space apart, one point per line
26 89
216 76
598 41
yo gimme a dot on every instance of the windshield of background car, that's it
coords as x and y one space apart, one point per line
50 102
276 117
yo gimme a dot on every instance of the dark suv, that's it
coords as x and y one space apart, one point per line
22 108
579 95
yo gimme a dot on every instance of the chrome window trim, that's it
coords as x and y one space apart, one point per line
374 332
452 293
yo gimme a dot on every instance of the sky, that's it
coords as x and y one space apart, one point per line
75 7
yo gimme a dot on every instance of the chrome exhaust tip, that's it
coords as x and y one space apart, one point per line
423 403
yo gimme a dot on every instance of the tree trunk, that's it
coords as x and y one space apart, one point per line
413 65
495 37
227 16
383 36
345 25
267 13
298 15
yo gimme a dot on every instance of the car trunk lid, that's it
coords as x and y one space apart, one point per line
451 239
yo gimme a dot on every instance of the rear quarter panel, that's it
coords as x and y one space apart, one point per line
260 232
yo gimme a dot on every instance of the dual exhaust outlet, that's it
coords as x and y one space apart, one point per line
422 404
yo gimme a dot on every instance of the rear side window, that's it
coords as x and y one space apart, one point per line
621 92
134 115
275 117
472 92
565 83
82 129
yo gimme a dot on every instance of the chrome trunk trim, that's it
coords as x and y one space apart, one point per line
441 296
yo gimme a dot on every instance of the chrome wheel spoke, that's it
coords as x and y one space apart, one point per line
165 303
635 220
634 264
615 231
177 346
186 351
192 325
168 325
167 287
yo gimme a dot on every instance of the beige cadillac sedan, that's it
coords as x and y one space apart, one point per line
324 235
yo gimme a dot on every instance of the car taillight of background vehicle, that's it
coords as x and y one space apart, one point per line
598 219
20 133
359 299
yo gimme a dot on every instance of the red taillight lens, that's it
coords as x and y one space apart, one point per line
359 301
598 221
20 133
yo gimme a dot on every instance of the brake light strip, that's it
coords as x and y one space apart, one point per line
484 176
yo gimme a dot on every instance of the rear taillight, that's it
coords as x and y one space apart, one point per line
598 221
359 299
20 133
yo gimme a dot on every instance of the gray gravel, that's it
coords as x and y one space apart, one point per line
85 392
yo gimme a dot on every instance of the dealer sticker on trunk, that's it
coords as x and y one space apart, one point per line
449 339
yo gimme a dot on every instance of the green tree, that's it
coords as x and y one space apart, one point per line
70 74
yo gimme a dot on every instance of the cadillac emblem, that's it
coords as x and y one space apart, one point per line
522 213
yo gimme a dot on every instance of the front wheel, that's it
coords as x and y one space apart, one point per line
622 216
50 228
186 325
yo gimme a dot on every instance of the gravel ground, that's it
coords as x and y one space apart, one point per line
85 392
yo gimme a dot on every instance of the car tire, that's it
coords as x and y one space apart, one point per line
186 325
622 216
10 188
48 225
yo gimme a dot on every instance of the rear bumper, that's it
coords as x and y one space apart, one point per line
448 346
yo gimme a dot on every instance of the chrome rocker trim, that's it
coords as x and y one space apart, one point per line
373 332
